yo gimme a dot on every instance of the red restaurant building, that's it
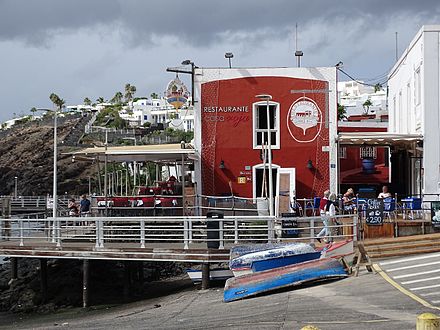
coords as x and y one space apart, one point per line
232 131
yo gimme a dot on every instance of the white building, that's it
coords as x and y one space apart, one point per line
352 95
414 107
158 111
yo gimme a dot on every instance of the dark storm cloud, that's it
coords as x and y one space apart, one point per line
196 22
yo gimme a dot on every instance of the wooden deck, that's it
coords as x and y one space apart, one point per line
113 251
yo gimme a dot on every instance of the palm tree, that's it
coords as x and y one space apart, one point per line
129 92
87 101
100 99
342 113
33 110
154 96
117 98
57 101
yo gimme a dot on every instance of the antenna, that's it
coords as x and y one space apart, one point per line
298 53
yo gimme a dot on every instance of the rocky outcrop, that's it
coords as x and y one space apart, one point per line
26 152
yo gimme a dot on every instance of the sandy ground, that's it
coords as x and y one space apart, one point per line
365 302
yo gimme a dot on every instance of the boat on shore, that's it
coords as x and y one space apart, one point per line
217 274
268 256
293 275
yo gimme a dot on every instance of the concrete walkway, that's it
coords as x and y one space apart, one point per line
365 302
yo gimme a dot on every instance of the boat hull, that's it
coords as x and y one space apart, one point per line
262 265
255 253
253 284
214 275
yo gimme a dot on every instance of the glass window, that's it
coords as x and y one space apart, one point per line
260 133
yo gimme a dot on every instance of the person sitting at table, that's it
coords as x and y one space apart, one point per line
348 200
385 193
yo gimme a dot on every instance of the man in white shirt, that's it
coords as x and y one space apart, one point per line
385 193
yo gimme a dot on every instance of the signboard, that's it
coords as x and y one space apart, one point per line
435 214
241 179
176 93
374 213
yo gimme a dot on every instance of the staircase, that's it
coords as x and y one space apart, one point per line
402 246
76 132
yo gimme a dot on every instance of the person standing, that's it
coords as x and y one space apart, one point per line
323 202
84 208
329 212
73 208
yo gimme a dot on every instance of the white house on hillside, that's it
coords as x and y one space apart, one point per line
352 95
158 111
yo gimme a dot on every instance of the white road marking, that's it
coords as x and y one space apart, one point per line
430 294
413 266
421 280
435 301
417 274
409 259
425 287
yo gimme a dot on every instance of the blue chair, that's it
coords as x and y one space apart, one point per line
414 206
389 207
314 206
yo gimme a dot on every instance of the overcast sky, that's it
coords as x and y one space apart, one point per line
91 48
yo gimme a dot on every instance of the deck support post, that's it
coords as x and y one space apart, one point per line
205 276
127 280
86 278
14 268
141 272
43 279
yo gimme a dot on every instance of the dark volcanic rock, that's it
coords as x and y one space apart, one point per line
27 153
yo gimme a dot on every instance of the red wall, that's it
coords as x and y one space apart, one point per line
228 136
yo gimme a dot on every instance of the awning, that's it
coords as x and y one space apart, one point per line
377 138
154 153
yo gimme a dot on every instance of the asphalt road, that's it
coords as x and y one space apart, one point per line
365 302
420 275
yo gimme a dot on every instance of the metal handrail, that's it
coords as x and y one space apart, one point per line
183 230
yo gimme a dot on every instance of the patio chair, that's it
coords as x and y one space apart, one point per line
389 208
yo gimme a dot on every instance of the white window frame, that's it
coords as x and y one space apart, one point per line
342 152
368 152
276 127
418 87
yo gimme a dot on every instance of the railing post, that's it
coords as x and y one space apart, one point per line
355 235
185 234
270 232
222 243
142 233
21 232
58 231
101 233
190 225
97 233
236 235
312 230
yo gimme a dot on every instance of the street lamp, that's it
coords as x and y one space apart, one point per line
189 62
229 56
267 98
54 192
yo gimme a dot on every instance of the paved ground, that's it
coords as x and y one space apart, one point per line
420 275
365 302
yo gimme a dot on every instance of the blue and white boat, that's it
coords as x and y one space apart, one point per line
254 258
282 277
